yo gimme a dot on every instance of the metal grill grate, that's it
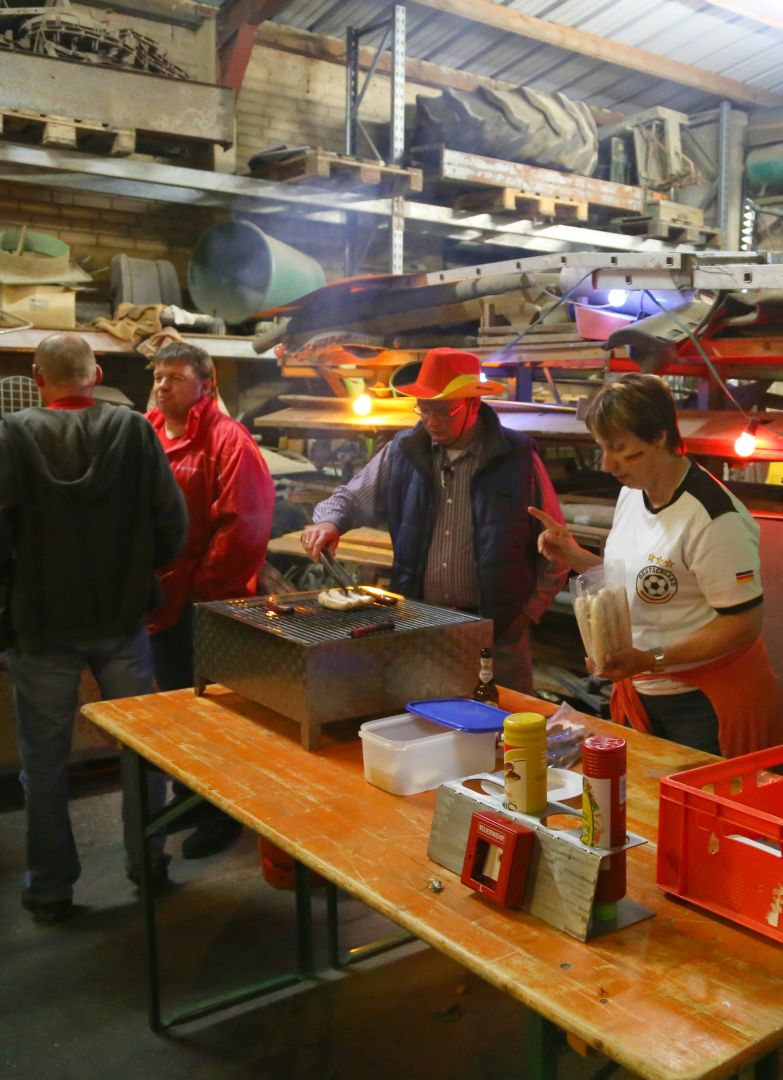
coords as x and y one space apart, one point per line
310 623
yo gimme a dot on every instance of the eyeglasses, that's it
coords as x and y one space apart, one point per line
438 414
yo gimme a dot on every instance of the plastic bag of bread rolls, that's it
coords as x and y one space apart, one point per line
601 609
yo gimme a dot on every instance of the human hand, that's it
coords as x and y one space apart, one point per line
317 537
623 663
555 542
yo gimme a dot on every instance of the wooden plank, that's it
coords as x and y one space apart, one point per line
509 201
459 166
676 213
499 17
354 547
64 133
674 231
234 15
332 51
630 994
318 419
315 164
229 346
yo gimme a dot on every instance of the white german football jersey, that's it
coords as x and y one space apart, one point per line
684 562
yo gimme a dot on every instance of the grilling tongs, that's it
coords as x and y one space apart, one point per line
344 580
342 577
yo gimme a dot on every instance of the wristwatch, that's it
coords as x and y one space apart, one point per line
659 660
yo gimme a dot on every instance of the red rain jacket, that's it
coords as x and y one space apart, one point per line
230 498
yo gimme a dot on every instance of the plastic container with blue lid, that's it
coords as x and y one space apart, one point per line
462 714
409 753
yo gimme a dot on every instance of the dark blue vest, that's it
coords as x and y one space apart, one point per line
503 533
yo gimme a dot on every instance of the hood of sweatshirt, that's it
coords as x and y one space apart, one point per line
77 450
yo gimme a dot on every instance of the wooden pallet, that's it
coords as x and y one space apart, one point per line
61 132
351 173
526 204
672 231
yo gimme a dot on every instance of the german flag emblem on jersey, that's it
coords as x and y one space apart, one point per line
745 575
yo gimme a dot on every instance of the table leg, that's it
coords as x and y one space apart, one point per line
540 1048
764 1069
338 959
138 777
304 918
144 827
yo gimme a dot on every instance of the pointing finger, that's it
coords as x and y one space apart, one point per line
546 519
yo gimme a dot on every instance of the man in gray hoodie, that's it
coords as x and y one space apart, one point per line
90 511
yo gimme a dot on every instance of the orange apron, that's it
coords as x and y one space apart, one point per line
743 690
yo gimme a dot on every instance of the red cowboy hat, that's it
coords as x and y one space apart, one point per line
450 373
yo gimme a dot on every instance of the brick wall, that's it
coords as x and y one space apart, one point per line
296 100
285 99
300 101
99 226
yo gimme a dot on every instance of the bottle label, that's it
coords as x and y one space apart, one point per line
596 810
485 671
525 776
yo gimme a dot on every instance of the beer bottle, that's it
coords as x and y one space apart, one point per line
486 690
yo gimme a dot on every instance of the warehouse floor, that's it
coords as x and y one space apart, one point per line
72 995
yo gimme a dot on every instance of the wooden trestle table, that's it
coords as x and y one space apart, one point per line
680 996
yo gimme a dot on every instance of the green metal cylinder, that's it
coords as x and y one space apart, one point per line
236 270
764 167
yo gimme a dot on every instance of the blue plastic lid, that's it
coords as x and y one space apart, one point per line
464 714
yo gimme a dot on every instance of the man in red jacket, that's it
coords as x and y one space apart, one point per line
230 498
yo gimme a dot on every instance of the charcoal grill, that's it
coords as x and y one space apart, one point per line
307 666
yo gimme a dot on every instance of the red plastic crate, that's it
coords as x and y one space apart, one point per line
720 839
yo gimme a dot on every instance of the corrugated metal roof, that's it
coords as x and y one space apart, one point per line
700 35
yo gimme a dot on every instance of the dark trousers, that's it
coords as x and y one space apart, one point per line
688 719
172 657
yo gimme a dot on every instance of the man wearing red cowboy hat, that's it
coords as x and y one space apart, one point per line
455 493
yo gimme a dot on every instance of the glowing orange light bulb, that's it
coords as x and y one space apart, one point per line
362 405
745 444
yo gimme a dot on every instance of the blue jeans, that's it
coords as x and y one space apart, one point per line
46 686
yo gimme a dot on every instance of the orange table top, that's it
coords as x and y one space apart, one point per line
681 995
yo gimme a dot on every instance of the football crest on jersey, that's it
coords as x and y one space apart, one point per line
655 583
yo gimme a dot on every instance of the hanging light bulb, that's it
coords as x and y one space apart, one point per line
362 405
745 444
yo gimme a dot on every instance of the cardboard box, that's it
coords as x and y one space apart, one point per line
47 307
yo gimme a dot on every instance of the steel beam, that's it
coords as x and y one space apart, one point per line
127 100
197 187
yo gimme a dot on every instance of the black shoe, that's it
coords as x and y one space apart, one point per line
47 911
160 874
192 818
211 837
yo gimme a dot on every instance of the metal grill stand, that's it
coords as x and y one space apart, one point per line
306 666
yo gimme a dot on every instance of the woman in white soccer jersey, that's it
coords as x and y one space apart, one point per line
698 672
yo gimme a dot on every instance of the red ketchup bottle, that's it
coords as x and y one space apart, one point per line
603 816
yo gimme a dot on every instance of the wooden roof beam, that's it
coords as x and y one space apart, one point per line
488 13
188 13
235 14
332 51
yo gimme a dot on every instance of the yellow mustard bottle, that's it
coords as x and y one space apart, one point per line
525 762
